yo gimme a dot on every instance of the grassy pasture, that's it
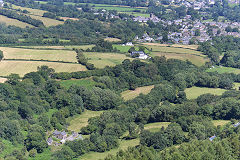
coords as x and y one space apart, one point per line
194 92
124 144
100 60
79 121
53 55
23 67
195 59
129 94
13 22
83 82
224 70
154 127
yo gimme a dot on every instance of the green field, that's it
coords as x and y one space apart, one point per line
101 60
155 127
79 121
83 82
52 55
224 70
130 94
124 144
23 67
194 92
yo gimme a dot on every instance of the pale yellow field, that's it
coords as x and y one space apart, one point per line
79 121
220 122
194 47
47 21
23 67
112 39
195 59
53 55
9 21
101 60
154 127
32 11
194 92
129 94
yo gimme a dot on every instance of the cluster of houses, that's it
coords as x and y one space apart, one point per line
61 137
188 28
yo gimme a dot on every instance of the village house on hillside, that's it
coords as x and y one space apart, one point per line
62 137
139 54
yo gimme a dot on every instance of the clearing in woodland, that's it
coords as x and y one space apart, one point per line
194 92
79 121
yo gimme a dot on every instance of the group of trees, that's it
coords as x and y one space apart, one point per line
83 60
227 46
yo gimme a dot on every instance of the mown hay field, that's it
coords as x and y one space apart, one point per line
15 22
51 55
101 60
130 94
23 67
